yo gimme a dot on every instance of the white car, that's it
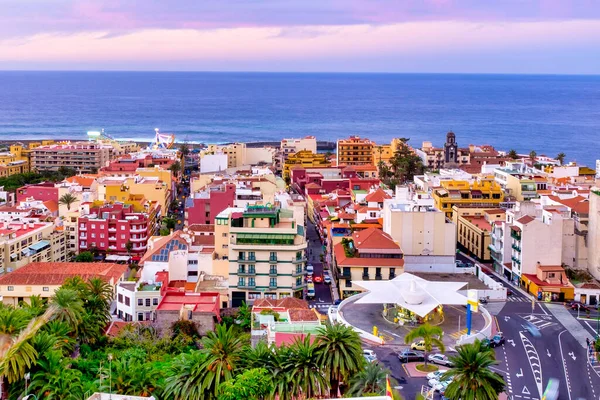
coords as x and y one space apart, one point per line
436 374
326 278
369 355
310 269
440 359
438 385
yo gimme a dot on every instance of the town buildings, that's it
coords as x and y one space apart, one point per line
81 156
293 146
367 254
13 161
593 234
484 192
354 151
474 226
44 278
306 159
265 250
117 228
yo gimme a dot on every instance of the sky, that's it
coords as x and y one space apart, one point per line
455 36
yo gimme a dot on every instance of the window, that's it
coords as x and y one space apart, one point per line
224 234
122 227
147 302
192 262
348 283
273 270
46 289
273 282
122 236
140 316
140 302
101 235
10 288
241 281
251 282
101 226
155 301
365 273
122 245
192 273
127 301
392 273
241 255
120 298
93 226
273 256
93 235
378 272
251 255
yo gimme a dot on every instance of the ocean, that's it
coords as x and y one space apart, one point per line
548 114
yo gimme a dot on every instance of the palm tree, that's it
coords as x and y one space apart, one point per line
184 149
308 378
67 307
340 353
513 154
224 349
175 168
67 199
36 306
561 158
371 380
186 377
532 156
431 335
472 378
54 379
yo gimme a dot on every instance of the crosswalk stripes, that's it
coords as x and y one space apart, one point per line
321 305
541 323
457 335
518 299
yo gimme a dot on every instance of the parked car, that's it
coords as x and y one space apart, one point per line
496 341
310 291
310 269
411 355
440 359
578 305
441 386
369 355
436 374
318 279
420 345
326 278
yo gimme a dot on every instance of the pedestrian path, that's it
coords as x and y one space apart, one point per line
518 299
569 322
321 305
540 322
457 335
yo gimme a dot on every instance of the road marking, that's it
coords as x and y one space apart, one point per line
532 355
564 364
457 335
506 318
511 342
525 390
392 333
572 355
520 373
548 352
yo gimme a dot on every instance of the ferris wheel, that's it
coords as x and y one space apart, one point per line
162 140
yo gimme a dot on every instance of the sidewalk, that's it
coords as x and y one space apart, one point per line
569 322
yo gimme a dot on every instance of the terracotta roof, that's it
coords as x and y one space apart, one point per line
589 286
525 219
579 204
206 302
312 186
204 240
302 314
82 180
55 273
479 222
51 205
115 327
551 268
534 279
372 238
202 228
378 196
495 211
285 303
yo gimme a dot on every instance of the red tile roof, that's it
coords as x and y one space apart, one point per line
55 273
534 279
202 228
525 219
285 303
20 229
51 205
302 315
378 196
579 204
369 239
82 180
205 302
372 238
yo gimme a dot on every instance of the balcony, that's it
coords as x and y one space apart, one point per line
298 272
273 272
515 235
516 260
112 229
251 259
365 277
83 246
112 247
272 260
136 229
140 248
272 285
249 285
378 277
297 285
346 275
112 238
299 260
515 247
246 272
139 239
82 236
83 227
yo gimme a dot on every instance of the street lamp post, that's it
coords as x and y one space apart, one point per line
110 357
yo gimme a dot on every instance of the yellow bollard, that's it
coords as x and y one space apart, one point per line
375 331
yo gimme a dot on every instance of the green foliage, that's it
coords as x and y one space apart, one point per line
84 256
371 380
561 158
431 335
513 154
472 378
13 182
275 314
67 199
403 166
252 384
244 317
184 327
165 231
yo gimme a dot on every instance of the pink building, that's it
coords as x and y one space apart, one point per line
204 206
41 191
109 228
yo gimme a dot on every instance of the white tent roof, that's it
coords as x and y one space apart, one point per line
413 293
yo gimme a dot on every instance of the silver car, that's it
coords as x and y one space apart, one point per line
440 359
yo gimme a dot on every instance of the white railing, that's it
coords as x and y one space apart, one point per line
485 333
340 318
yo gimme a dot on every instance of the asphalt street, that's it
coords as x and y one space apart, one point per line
323 298
528 363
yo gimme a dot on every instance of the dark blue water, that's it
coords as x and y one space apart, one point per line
547 113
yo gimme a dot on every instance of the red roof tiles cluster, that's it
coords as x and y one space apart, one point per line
55 273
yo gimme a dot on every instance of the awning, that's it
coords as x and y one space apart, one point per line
265 236
114 257
442 192
41 245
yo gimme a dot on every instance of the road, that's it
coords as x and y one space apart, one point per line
528 363
323 298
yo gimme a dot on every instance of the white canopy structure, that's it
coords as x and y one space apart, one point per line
412 293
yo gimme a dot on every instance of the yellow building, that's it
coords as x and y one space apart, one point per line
355 151
382 153
304 158
483 193
474 226
120 189
235 152
13 161
550 283
44 278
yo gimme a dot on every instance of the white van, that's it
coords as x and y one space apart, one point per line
310 292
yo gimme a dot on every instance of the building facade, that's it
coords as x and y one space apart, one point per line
81 156
306 159
483 192
292 146
266 252
354 151
474 227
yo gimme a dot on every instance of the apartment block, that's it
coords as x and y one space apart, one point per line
81 156
354 151
117 229
593 235
474 227
292 146
306 159
202 207
23 243
120 189
368 254
427 238
483 192
13 162
266 252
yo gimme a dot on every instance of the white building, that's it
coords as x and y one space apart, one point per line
594 234
290 146
427 240
213 163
